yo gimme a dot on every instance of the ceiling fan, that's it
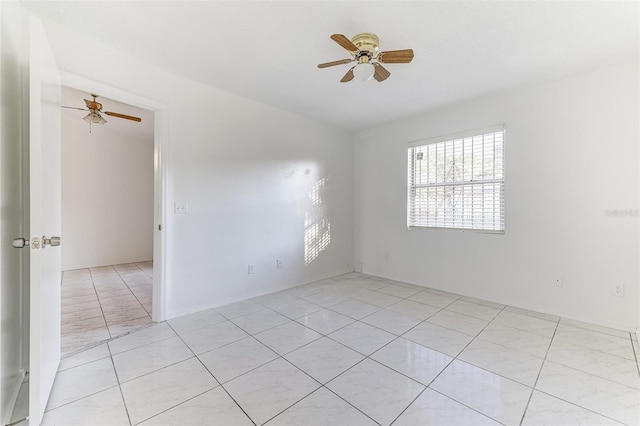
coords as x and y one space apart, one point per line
364 50
95 108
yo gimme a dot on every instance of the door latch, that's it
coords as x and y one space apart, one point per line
35 242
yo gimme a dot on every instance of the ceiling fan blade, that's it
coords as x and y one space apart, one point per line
81 109
344 42
348 76
126 117
380 73
334 63
396 56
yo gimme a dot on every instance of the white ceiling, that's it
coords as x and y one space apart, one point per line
268 51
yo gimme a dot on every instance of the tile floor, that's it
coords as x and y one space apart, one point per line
102 303
355 350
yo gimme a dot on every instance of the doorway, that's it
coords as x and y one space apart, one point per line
37 119
107 220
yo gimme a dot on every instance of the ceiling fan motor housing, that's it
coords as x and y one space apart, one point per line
366 42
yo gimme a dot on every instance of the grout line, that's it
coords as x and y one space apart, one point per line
76 313
80 398
579 324
177 405
581 407
365 356
115 371
286 408
212 375
99 304
154 371
465 405
84 322
93 345
535 383
598 333
139 267
329 389
84 363
454 358
146 344
635 354
322 335
278 356
134 295
81 349
98 299
89 297
574 368
323 385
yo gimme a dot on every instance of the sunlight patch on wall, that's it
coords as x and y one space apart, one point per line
317 228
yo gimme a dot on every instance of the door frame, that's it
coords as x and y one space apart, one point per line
160 150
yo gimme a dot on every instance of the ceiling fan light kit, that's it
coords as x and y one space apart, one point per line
364 71
94 118
364 50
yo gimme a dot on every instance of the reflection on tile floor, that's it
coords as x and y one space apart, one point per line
102 303
354 350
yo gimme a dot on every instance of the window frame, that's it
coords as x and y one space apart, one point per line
462 183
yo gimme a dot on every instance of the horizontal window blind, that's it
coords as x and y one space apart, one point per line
458 182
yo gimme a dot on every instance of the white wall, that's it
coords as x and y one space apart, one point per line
11 260
571 153
107 189
246 171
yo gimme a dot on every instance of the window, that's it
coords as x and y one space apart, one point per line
457 182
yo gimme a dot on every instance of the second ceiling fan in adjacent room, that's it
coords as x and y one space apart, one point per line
95 108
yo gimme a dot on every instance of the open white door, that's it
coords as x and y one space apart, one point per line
45 221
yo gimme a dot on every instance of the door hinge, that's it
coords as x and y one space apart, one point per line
159 227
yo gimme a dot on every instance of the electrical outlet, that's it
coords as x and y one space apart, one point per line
618 290
386 256
250 269
557 282
279 264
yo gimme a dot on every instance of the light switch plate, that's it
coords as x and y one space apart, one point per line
180 208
